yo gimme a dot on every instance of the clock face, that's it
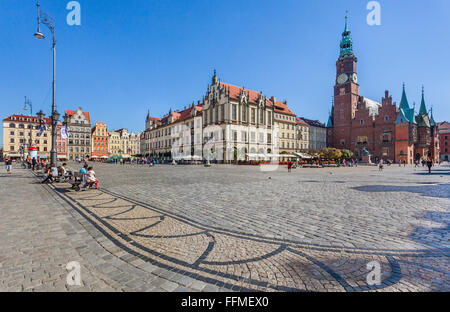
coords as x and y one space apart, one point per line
342 78
355 78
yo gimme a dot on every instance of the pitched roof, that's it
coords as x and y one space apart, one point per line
236 91
34 119
254 96
423 107
71 113
314 123
401 117
372 106
445 125
281 107
301 121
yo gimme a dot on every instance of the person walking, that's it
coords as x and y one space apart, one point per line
429 162
289 166
8 163
380 165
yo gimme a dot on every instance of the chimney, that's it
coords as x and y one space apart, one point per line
273 99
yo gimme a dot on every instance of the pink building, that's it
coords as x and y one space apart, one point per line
61 144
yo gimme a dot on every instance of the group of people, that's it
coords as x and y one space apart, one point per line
53 172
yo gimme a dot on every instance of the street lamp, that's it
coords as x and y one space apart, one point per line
49 22
30 105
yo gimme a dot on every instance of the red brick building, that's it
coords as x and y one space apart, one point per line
360 124
100 137
444 135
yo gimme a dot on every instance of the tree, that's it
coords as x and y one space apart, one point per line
346 154
330 153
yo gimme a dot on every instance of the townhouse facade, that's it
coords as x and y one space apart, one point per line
79 133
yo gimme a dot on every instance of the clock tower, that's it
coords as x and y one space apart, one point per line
346 92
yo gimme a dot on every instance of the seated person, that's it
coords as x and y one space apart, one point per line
52 172
84 169
91 177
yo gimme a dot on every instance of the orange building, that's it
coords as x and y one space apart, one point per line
100 140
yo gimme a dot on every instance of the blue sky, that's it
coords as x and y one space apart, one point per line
131 56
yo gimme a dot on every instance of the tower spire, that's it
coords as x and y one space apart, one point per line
346 42
423 107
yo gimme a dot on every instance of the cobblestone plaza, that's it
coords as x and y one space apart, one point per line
228 228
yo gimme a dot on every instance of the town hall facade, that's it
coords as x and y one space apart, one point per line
383 130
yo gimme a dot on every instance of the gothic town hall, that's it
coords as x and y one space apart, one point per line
383 130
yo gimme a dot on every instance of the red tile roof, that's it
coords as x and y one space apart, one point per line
235 92
71 113
314 123
443 125
25 119
301 122
282 108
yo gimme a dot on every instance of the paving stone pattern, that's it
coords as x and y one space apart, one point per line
229 228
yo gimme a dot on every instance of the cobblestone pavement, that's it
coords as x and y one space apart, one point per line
237 228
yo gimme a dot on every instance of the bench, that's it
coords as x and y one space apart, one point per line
79 182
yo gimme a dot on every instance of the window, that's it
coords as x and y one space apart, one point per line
361 140
253 115
269 138
244 111
11 133
386 118
361 122
11 125
269 118
11 140
233 112
244 136
386 138
261 116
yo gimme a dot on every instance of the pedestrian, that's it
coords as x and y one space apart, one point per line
8 163
380 165
429 162
289 166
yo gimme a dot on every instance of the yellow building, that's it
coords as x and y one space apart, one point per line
286 122
16 136
114 146
302 134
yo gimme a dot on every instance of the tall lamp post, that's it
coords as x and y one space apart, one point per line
27 105
48 21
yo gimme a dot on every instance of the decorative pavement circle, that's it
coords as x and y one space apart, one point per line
245 262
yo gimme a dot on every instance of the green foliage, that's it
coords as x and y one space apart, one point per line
346 154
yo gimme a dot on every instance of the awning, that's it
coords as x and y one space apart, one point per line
62 157
305 156
13 155
43 156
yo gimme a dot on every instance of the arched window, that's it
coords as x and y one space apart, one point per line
12 125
